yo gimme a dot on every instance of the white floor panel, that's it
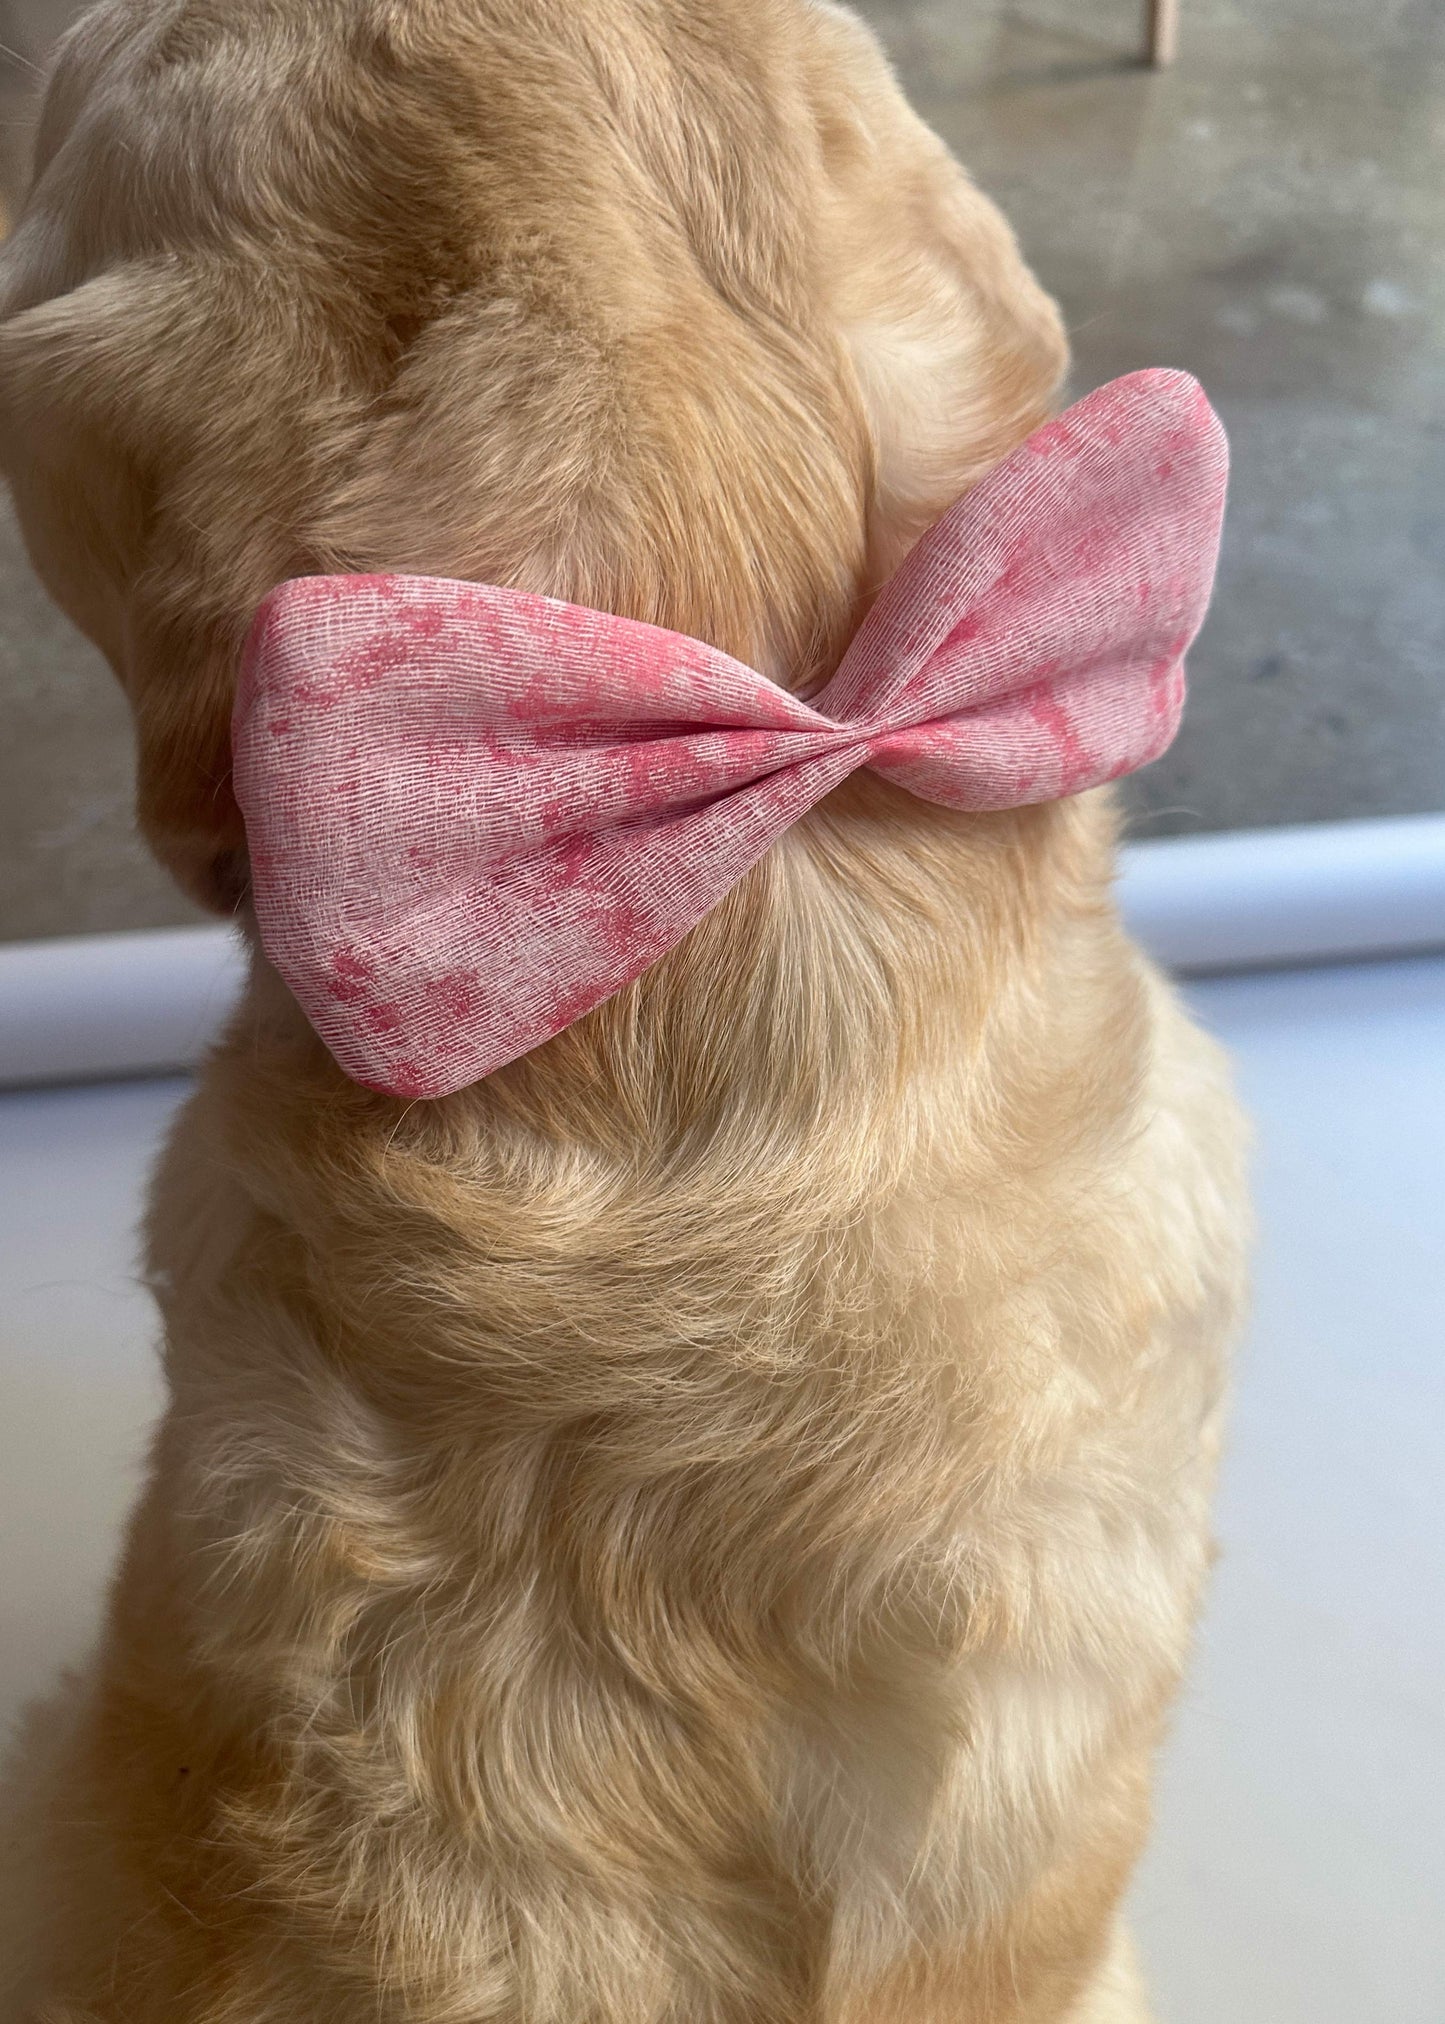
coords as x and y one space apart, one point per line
78 1384
1298 1872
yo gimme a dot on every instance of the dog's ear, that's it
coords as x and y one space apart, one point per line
60 444
146 482
957 351
959 355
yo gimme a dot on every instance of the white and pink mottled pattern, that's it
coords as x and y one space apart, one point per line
474 813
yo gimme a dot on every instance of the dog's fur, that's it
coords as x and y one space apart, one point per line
703 1527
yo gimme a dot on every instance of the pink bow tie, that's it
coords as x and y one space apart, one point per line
474 813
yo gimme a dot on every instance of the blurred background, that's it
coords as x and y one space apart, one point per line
1269 213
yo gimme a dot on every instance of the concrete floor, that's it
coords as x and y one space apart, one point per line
1270 214
1298 1868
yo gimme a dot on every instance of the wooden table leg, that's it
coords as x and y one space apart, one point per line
1161 32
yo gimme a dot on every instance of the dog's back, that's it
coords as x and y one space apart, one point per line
703 1525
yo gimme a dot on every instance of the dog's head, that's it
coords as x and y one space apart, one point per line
677 312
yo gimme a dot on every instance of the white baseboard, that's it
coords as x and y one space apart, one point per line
1272 898
88 1006
141 1004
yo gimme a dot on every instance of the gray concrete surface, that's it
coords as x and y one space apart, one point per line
1269 214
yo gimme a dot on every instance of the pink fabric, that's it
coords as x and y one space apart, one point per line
475 813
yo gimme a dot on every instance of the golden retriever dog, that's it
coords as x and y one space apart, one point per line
703 1526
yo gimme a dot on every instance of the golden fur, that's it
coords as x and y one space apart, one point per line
703 1527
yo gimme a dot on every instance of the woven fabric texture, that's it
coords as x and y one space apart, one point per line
474 813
